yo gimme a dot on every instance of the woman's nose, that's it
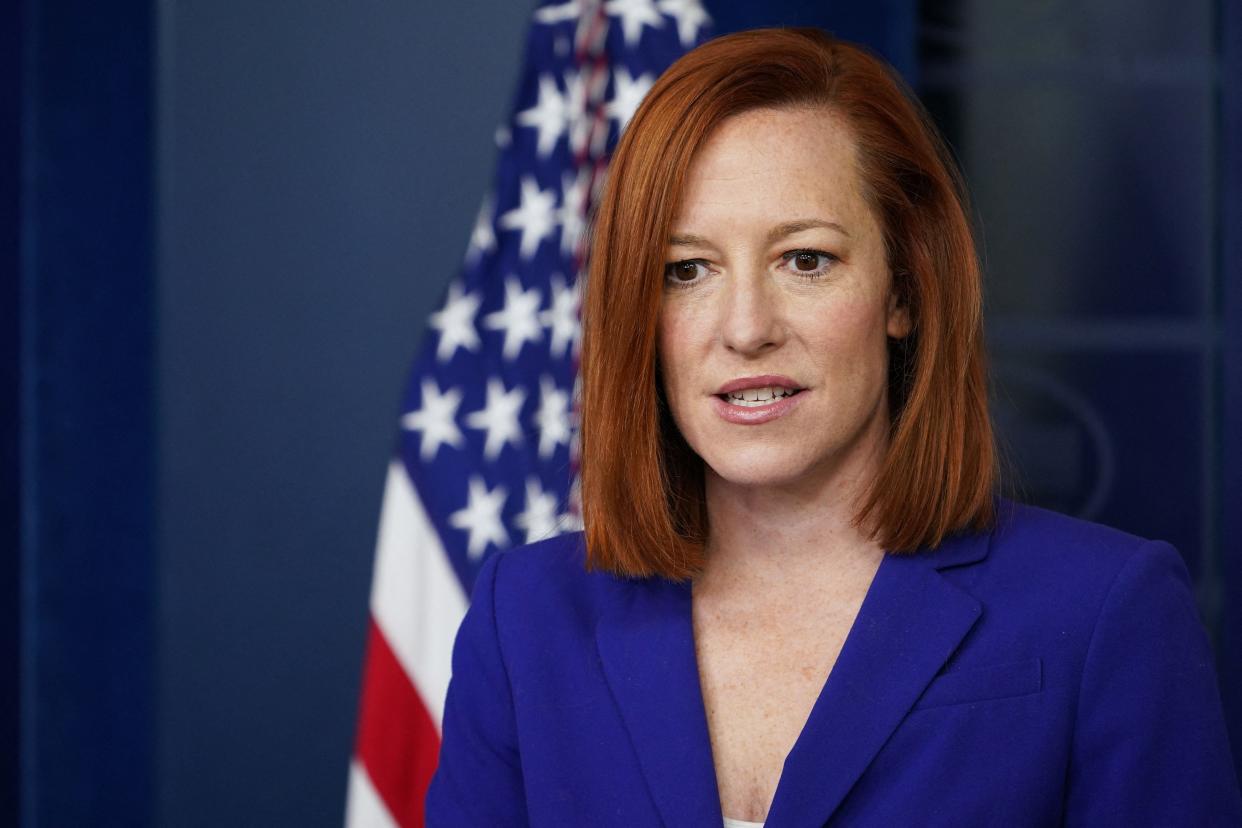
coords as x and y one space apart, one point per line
749 315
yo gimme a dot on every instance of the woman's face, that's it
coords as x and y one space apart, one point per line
777 305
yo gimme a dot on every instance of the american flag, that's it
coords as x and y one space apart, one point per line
485 457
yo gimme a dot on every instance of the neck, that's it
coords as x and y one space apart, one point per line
795 533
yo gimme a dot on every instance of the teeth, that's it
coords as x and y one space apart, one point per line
758 396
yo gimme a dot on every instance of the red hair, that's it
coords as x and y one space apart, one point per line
642 486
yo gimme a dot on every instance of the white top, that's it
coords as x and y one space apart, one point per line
739 823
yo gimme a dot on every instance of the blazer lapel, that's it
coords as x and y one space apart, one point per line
908 626
646 645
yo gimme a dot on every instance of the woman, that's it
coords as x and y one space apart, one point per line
797 601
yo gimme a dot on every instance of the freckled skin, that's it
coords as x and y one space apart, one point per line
786 568
752 313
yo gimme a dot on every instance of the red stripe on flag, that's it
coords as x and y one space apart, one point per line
398 744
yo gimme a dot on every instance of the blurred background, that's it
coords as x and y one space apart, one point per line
223 226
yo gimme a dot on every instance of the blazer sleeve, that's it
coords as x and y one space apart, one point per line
479 777
1150 745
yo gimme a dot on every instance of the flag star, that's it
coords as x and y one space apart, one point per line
634 15
518 319
539 518
534 216
455 322
499 417
548 116
483 237
481 518
562 316
627 94
573 209
436 419
690 18
552 417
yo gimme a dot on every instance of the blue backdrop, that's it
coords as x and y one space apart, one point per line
223 225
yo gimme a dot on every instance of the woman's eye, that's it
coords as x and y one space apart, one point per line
810 263
684 271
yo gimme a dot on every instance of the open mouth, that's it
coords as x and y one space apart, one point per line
757 397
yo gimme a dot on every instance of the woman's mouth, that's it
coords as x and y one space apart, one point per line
758 397
755 406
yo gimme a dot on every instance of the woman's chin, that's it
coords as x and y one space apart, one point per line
764 472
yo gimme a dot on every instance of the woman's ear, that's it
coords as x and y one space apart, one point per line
898 324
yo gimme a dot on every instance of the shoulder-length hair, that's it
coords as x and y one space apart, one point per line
643 499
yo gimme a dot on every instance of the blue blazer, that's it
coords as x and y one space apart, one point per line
1052 672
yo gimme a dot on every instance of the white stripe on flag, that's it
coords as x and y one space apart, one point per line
416 599
363 807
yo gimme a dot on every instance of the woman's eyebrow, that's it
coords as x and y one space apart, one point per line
688 240
777 233
774 235
788 228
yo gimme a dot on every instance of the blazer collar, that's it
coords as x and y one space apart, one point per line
910 622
